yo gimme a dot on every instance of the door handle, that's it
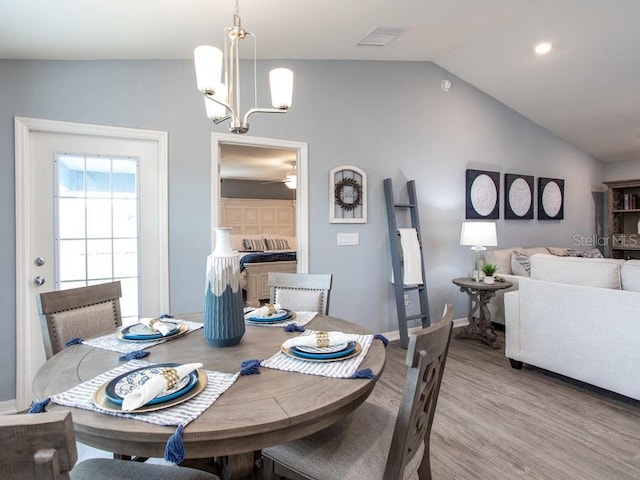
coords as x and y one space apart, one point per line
39 280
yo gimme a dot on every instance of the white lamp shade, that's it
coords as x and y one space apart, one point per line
215 111
281 80
479 233
208 62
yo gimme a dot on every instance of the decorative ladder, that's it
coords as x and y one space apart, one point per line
396 260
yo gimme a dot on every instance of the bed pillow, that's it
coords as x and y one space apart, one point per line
237 242
254 245
276 244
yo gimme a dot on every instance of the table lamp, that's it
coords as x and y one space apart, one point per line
479 235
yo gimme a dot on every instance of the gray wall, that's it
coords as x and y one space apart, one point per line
624 170
390 119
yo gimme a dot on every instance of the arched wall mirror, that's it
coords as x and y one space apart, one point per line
259 189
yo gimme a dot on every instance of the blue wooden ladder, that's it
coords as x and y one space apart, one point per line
397 262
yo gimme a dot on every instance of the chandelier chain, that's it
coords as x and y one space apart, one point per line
237 9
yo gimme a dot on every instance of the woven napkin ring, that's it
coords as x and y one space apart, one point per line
322 339
152 323
171 375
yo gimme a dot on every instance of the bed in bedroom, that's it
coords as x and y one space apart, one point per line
264 234
258 257
255 268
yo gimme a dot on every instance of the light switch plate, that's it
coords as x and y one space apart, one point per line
348 239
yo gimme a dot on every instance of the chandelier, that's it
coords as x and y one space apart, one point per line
222 98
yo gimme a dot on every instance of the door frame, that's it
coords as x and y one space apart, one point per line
302 190
25 305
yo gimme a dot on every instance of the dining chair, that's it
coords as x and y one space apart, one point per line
376 442
43 447
78 313
301 291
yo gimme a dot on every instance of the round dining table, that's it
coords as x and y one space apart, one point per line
257 411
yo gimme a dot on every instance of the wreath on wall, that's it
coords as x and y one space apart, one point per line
357 190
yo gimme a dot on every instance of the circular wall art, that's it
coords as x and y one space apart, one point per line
550 199
347 195
518 198
483 189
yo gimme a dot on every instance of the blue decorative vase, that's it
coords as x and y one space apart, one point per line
223 305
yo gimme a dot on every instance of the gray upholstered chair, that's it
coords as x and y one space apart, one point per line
375 442
301 291
78 312
42 446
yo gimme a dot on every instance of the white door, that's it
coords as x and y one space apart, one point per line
94 211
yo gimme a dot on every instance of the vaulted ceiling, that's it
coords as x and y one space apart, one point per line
587 90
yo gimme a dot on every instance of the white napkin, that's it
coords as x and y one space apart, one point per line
335 338
154 387
158 325
261 312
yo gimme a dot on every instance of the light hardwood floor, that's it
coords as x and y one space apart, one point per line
494 422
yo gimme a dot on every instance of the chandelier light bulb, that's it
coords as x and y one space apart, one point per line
281 81
216 111
208 62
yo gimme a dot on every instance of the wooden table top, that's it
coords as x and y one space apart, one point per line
468 282
255 412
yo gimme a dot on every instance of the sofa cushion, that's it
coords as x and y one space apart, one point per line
502 259
593 253
520 264
593 272
533 250
630 275
559 251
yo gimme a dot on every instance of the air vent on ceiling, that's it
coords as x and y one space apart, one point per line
382 36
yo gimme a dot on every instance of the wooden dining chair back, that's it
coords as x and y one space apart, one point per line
376 442
301 291
43 447
78 313
38 446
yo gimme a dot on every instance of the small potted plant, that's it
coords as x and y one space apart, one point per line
489 269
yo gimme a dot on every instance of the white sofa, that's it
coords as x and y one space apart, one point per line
579 317
503 258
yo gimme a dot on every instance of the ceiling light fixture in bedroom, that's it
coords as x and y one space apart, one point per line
222 98
292 178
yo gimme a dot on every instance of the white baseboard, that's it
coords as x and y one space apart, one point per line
8 407
395 334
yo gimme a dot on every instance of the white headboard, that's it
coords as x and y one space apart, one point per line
255 216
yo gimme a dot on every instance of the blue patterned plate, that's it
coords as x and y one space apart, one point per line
303 352
278 316
142 332
121 386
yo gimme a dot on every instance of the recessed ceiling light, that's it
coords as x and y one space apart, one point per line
543 48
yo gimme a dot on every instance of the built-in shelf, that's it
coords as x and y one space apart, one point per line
623 240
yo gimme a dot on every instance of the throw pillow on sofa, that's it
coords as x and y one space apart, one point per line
593 253
559 251
520 264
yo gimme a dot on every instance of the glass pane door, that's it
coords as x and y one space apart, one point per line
97 227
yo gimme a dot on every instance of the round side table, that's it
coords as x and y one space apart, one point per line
480 293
